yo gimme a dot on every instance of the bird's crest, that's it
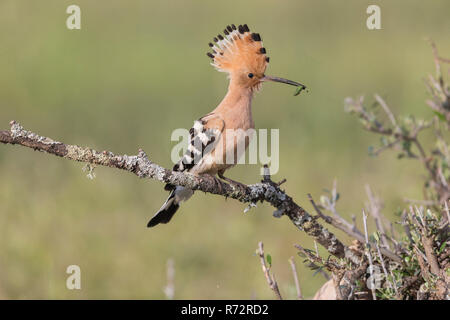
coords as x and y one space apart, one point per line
238 49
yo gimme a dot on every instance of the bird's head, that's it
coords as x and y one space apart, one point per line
241 54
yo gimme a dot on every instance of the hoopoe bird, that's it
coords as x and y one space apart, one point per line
241 54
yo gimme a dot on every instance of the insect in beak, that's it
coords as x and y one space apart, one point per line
300 86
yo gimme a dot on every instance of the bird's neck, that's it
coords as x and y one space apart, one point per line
237 98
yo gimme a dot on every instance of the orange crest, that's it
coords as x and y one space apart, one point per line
239 50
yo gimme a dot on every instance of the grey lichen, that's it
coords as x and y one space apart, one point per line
278 213
79 154
250 205
302 221
89 168
17 131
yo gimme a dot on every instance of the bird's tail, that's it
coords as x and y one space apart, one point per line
171 206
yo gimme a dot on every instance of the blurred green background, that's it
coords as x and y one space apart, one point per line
137 70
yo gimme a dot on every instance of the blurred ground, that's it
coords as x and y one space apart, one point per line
136 71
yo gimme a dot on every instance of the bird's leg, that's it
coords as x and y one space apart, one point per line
231 181
217 182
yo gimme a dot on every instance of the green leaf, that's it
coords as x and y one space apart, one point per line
442 247
376 236
407 146
440 116
269 259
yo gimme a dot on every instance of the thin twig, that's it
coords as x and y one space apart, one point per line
169 289
386 109
369 256
391 285
406 227
375 210
447 211
316 248
349 229
270 278
297 284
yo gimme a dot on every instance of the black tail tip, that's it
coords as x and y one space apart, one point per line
152 223
163 216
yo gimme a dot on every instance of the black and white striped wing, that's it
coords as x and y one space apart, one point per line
204 136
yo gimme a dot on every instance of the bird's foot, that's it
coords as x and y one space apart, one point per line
242 186
217 182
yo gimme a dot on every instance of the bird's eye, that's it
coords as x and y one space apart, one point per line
250 75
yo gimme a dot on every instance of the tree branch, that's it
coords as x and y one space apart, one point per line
294 273
141 166
341 224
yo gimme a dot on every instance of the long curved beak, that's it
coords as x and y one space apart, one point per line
282 80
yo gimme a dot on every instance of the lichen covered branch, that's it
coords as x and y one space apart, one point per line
143 167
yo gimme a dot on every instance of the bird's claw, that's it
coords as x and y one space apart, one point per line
217 182
234 183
